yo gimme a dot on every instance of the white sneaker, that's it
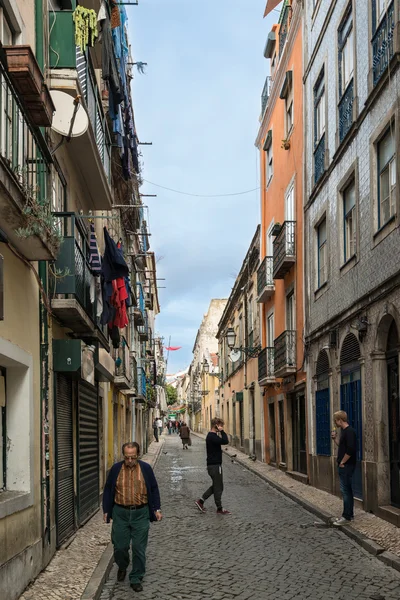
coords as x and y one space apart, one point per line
341 521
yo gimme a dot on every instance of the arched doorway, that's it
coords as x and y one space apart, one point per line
392 360
351 399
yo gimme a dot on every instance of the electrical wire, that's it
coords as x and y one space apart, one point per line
201 195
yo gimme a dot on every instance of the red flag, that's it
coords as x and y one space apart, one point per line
173 348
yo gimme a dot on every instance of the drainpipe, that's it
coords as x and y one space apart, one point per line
44 340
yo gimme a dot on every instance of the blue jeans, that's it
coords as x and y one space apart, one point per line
346 488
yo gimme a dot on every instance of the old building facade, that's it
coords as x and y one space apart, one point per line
351 204
280 292
239 392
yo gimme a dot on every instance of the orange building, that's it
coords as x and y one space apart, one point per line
280 275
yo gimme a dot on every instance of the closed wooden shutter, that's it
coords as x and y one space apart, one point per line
88 443
65 502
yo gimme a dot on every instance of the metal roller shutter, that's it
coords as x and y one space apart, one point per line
65 505
88 441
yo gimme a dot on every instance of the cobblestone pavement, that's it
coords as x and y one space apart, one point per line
268 548
68 573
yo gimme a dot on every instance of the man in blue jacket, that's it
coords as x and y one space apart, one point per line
131 500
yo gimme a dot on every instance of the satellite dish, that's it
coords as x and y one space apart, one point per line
234 355
68 111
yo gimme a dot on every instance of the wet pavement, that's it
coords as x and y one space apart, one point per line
268 548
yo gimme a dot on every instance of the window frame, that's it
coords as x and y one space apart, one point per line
353 212
345 37
390 164
319 97
290 311
289 104
322 247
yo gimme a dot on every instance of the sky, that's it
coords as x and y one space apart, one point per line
199 105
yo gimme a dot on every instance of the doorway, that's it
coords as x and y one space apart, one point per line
282 431
299 434
272 432
392 359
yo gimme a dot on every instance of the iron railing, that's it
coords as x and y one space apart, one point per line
143 330
284 245
122 361
21 148
266 364
319 159
346 111
265 274
92 96
383 43
285 351
265 94
72 276
134 371
284 27
140 298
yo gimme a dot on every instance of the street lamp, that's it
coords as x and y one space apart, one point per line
206 366
230 337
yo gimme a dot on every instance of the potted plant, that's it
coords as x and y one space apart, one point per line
285 144
276 229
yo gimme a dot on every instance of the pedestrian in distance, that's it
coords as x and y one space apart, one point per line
160 425
346 460
169 427
216 438
155 429
131 499
178 427
184 433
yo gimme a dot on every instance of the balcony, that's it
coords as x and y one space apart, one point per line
265 94
150 344
284 249
122 377
73 72
266 373
319 160
346 111
285 18
143 330
139 310
24 174
285 354
265 279
383 44
71 282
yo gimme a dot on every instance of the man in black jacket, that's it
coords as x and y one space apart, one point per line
346 460
216 438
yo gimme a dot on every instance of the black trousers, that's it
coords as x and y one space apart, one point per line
155 429
217 487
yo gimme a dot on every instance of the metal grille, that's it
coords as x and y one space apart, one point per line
284 28
350 349
322 363
382 42
65 505
285 350
323 422
284 245
266 363
346 111
265 94
81 67
88 442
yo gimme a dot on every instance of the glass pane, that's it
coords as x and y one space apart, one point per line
349 198
322 233
386 148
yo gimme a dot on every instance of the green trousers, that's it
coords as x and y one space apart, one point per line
130 526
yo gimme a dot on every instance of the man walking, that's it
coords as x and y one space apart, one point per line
216 438
160 425
131 500
155 429
346 459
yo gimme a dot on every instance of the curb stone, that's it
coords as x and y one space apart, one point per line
372 547
95 584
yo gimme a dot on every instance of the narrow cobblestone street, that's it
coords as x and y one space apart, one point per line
268 548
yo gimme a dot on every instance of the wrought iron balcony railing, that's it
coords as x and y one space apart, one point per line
265 94
141 382
319 159
266 365
143 330
346 111
285 354
284 249
122 365
265 279
383 43
286 17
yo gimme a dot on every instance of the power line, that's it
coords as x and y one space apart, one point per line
201 195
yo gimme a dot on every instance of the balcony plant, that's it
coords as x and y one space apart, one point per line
285 144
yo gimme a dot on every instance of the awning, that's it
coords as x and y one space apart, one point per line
271 4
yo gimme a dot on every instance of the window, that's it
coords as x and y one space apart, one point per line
322 253
290 313
350 221
3 431
386 178
289 204
346 53
289 111
270 331
269 170
380 7
273 64
250 324
319 108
